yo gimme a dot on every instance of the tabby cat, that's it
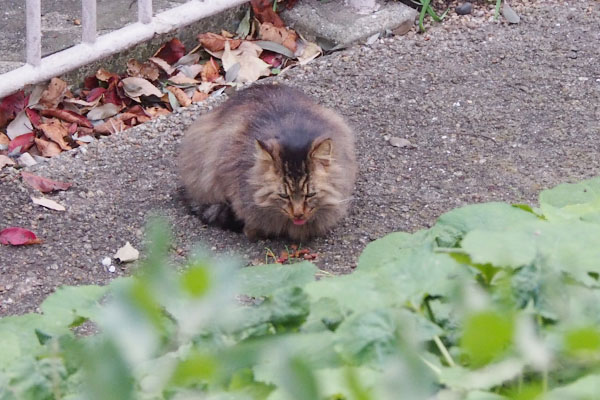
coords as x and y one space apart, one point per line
272 161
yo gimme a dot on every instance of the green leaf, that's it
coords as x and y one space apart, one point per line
263 280
68 304
486 336
585 388
243 28
572 201
488 216
388 249
288 308
583 341
196 368
485 378
367 337
196 280
501 249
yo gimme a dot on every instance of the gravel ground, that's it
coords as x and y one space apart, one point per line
496 112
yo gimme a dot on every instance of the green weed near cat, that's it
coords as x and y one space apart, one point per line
492 302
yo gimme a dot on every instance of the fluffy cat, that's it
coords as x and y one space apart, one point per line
272 161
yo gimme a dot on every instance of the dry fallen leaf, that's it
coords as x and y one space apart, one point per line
191 71
127 253
246 56
4 140
24 141
56 132
110 127
42 184
213 42
210 71
283 36
165 66
19 126
263 11
147 70
54 93
104 75
68 116
48 203
171 51
47 148
18 236
199 96
182 79
310 52
5 160
103 111
180 95
136 87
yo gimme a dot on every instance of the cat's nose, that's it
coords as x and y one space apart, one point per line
298 215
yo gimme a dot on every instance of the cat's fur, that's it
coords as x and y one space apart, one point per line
266 143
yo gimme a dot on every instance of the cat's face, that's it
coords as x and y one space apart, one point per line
294 190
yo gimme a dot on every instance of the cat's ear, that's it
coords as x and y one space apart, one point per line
322 151
263 151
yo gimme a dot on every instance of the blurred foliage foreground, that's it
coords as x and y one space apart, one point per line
495 301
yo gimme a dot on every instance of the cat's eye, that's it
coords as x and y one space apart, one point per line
311 194
284 195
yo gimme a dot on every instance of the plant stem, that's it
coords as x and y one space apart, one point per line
444 351
431 366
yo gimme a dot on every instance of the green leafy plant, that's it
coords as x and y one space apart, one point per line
426 9
493 302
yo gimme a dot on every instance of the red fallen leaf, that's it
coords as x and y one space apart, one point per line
18 236
34 117
90 82
112 96
210 71
311 256
13 104
111 126
95 93
47 148
214 42
72 128
25 141
171 51
68 116
42 184
272 58
263 11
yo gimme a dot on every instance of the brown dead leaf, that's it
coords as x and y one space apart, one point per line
54 93
199 96
110 127
191 71
4 140
68 116
156 111
283 36
214 42
263 11
47 148
210 71
227 34
136 87
180 95
162 64
42 184
182 79
56 132
147 70
47 203
250 66
104 75
5 160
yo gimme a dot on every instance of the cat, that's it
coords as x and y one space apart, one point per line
272 162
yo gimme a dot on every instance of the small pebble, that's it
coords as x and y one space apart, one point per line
464 8
111 268
106 261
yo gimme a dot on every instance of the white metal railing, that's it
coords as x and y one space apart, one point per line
93 47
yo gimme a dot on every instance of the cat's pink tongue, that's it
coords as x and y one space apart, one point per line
298 221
